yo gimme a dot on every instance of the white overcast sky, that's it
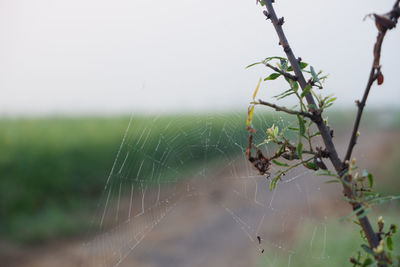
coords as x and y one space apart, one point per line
119 56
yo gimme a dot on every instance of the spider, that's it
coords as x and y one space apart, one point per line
260 162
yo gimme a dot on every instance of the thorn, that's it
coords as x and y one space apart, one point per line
281 21
357 103
279 43
299 60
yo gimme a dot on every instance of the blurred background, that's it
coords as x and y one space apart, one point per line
75 74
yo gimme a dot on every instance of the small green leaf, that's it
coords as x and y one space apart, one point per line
367 249
311 166
280 163
281 149
302 127
332 181
293 128
284 64
370 180
351 214
389 242
271 58
273 76
325 173
367 262
303 65
306 91
299 150
314 75
273 183
296 86
285 94
251 65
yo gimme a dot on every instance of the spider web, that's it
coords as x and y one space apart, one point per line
182 193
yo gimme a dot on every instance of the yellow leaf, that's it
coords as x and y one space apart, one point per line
250 116
255 92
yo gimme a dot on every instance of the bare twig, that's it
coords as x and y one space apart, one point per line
375 73
284 109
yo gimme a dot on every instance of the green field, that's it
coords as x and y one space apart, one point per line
54 169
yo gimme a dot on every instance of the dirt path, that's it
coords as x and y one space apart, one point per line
212 221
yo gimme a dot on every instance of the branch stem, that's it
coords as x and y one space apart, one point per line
284 109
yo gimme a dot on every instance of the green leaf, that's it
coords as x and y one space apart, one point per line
302 127
314 75
302 66
273 76
293 128
312 166
295 86
284 64
367 249
370 180
299 150
306 91
271 58
365 213
273 183
381 200
281 149
285 94
325 173
332 181
251 65
367 262
389 242
280 163
394 229
351 214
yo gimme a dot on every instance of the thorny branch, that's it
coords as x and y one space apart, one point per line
384 22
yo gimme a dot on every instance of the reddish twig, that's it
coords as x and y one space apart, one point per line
384 23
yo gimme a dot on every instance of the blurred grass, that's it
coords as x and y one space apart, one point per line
328 244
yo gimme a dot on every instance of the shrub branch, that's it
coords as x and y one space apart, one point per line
341 167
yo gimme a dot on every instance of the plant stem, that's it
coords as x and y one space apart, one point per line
284 109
